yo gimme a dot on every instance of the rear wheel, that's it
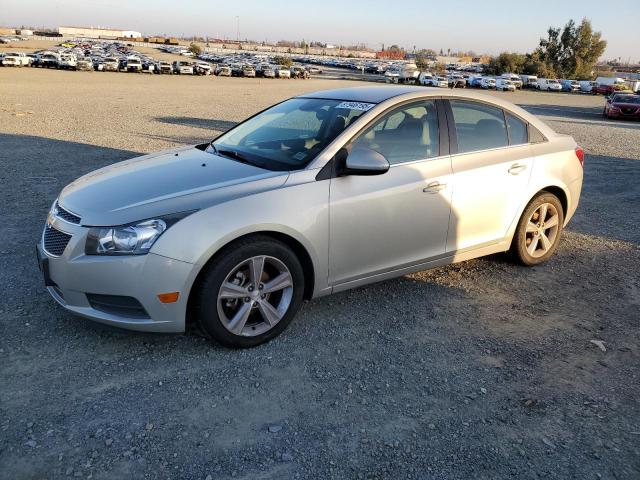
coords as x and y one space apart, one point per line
250 293
538 232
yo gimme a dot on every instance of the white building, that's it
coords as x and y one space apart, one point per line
97 32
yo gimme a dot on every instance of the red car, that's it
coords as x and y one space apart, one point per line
622 105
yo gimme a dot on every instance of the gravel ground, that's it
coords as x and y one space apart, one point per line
477 370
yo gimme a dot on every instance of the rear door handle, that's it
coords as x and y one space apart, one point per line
517 168
434 187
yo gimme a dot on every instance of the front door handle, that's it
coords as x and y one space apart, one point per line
434 187
517 168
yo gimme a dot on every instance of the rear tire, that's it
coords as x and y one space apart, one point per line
538 232
250 293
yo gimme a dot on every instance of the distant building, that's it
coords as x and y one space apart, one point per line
96 32
391 54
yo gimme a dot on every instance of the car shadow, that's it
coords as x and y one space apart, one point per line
205 123
35 169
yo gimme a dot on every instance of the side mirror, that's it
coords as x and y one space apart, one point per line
364 161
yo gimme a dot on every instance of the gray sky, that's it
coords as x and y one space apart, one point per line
485 27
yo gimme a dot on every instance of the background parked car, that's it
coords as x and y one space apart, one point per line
429 80
84 64
133 64
515 79
570 85
298 71
248 71
505 85
223 71
15 59
622 105
111 64
488 83
165 68
587 86
283 72
68 61
529 81
202 68
456 80
608 85
549 84
182 67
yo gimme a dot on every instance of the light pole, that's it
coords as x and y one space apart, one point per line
238 28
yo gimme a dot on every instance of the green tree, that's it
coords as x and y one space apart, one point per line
282 60
422 62
573 51
506 62
534 65
195 49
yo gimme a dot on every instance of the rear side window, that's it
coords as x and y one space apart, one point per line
518 133
478 126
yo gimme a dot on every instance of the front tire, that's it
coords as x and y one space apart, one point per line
538 233
250 293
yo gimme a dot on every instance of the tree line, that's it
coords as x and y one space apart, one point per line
569 52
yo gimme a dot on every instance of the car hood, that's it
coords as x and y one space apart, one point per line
171 181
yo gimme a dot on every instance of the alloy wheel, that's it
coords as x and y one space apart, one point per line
255 295
542 230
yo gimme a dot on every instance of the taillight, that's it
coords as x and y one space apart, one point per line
580 155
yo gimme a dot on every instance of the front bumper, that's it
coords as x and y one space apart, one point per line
622 114
72 276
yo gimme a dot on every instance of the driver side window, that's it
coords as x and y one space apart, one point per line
405 134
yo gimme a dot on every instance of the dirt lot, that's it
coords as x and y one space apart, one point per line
473 371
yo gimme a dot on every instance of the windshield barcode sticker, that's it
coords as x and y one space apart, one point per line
357 106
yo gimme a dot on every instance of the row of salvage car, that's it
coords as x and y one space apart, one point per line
410 74
117 57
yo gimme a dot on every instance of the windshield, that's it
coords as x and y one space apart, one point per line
634 99
289 135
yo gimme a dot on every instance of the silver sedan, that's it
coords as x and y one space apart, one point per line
315 195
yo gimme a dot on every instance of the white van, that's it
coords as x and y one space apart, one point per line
529 81
549 84
587 86
515 79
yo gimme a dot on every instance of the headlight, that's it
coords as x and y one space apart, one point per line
133 239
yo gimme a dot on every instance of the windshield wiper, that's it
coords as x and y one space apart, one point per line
235 156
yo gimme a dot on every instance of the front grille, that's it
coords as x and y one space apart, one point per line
117 305
55 241
66 215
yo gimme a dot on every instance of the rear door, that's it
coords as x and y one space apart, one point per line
492 163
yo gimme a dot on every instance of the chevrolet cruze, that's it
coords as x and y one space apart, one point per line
315 195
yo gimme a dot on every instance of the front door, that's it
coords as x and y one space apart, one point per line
397 219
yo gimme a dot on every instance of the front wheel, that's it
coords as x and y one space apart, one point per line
250 293
538 232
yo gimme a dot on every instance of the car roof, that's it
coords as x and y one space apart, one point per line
373 94
399 93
